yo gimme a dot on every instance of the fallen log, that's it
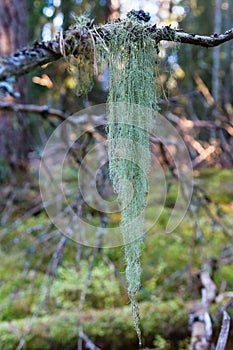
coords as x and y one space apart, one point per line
107 329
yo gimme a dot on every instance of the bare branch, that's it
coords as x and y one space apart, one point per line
45 111
203 40
200 319
222 340
25 60
29 108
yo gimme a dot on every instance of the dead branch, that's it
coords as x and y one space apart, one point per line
29 108
203 40
206 279
89 344
183 123
201 338
78 40
222 340
187 124
200 319
25 60
46 111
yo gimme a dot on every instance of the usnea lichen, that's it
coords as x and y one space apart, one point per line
130 49
131 100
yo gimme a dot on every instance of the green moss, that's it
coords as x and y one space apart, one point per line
164 259
218 184
110 328
102 292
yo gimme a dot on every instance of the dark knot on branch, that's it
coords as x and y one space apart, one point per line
139 15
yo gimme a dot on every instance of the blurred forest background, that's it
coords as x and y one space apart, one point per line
57 294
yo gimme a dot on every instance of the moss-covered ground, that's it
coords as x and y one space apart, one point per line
30 285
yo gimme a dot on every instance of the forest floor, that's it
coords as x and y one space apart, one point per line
43 275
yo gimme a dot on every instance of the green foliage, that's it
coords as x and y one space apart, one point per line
160 343
218 184
102 292
16 302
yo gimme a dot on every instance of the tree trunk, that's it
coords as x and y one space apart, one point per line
227 96
216 53
13 126
216 63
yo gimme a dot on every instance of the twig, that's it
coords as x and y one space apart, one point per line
207 319
46 111
201 321
222 340
95 56
89 344
187 124
203 40
35 208
29 108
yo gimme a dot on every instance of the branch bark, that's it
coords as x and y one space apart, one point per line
203 40
201 321
29 108
75 41
222 340
25 60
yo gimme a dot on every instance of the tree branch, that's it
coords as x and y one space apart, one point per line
29 108
45 111
203 40
25 60
78 40
222 340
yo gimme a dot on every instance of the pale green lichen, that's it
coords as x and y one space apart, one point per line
131 100
130 47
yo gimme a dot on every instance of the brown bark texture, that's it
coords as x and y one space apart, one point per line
13 126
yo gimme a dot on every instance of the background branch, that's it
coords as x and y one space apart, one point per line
30 108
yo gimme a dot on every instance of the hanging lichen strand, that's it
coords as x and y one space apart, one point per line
131 99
